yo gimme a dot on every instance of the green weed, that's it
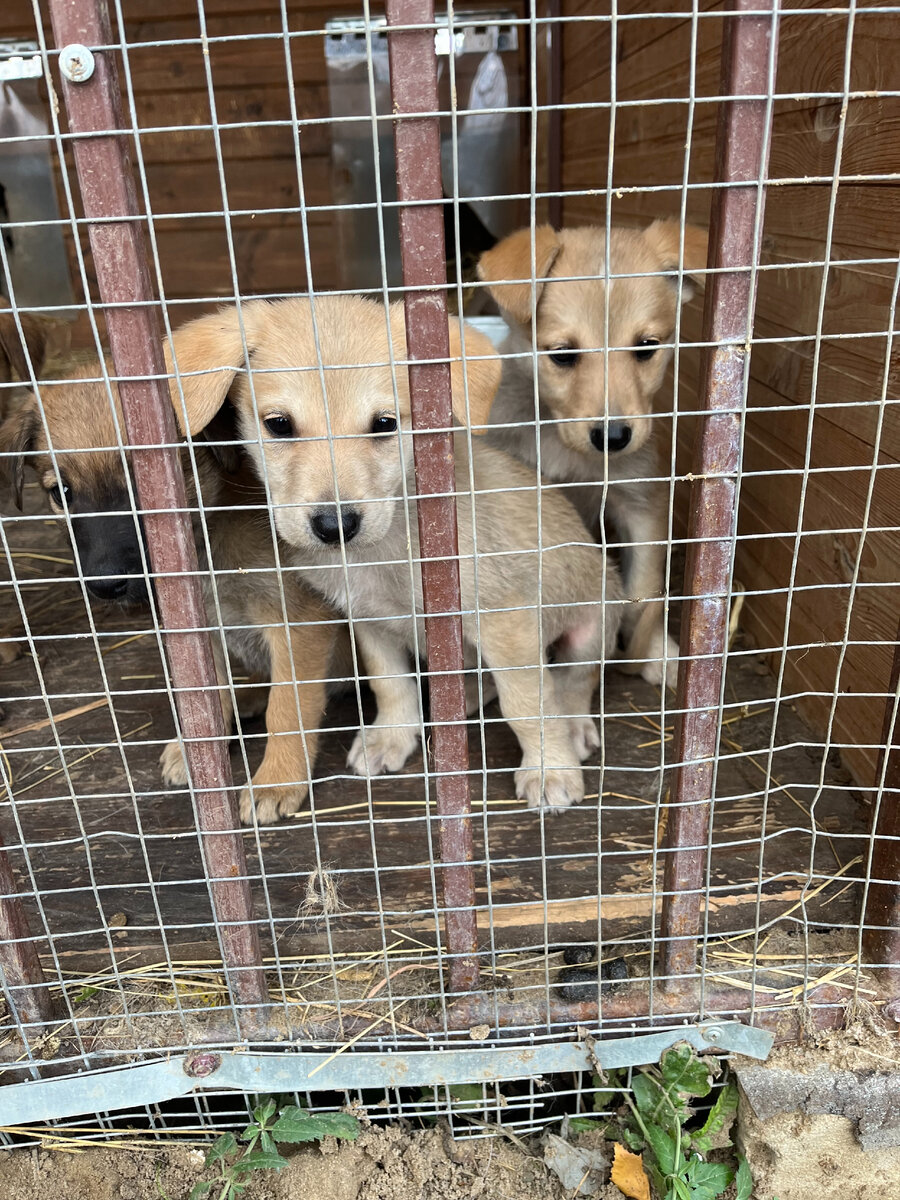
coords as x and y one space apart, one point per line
236 1159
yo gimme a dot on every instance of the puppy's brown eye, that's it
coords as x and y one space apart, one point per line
384 424
645 348
564 356
56 494
279 425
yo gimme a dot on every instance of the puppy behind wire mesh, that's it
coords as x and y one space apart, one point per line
89 481
603 352
341 480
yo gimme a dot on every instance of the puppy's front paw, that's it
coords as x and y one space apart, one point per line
280 784
272 802
652 671
645 650
562 787
386 750
585 737
172 765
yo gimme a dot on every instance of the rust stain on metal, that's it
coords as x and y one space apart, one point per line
740 159
417 139
135 337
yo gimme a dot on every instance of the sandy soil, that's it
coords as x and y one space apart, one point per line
383 1164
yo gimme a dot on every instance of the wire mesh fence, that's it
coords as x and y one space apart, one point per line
384 397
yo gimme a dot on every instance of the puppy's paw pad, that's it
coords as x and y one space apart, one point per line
386 749
172 765
585 737
562 788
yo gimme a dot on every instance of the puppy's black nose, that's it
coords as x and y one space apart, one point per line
327 529
108 589
614 436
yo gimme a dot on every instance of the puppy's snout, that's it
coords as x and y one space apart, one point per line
109 588
612 436
109 550
327 527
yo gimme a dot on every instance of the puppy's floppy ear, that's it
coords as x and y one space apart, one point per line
18 435
511 259
209 352
481 372
664 238
11 349
482 367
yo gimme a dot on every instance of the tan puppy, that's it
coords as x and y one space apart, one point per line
91 475
596 404
13 361
337 478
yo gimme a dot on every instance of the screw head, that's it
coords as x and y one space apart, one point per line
76 63
713 1034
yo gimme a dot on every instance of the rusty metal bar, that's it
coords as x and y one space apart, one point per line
91 92
881 920
413 65
741 158
26 991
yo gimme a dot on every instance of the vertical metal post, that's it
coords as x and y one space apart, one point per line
741 159
413 64
881 921
92 99
20 969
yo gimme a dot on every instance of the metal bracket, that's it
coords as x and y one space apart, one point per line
473 33
20 60
153 1083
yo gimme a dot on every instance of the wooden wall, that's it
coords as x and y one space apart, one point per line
653 62
250 84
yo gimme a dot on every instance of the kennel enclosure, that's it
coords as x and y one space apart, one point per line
781 494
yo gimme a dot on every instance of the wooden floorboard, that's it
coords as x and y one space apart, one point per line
97 841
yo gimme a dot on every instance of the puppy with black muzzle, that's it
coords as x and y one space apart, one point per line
87 477
332 436
603 351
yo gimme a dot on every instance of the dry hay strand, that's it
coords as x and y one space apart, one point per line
322 896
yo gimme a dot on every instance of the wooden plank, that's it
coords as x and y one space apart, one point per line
650 142
251 105
811 58
272 183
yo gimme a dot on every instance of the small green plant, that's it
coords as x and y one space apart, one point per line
235 1159
655 1119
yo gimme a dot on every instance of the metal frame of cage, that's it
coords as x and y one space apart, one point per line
91 98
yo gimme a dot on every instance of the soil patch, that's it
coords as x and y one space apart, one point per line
392 1163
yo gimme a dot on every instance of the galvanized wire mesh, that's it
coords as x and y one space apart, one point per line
349 893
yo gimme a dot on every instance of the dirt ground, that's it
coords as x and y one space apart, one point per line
383 1164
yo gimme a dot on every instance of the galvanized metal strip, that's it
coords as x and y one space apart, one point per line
153 1083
